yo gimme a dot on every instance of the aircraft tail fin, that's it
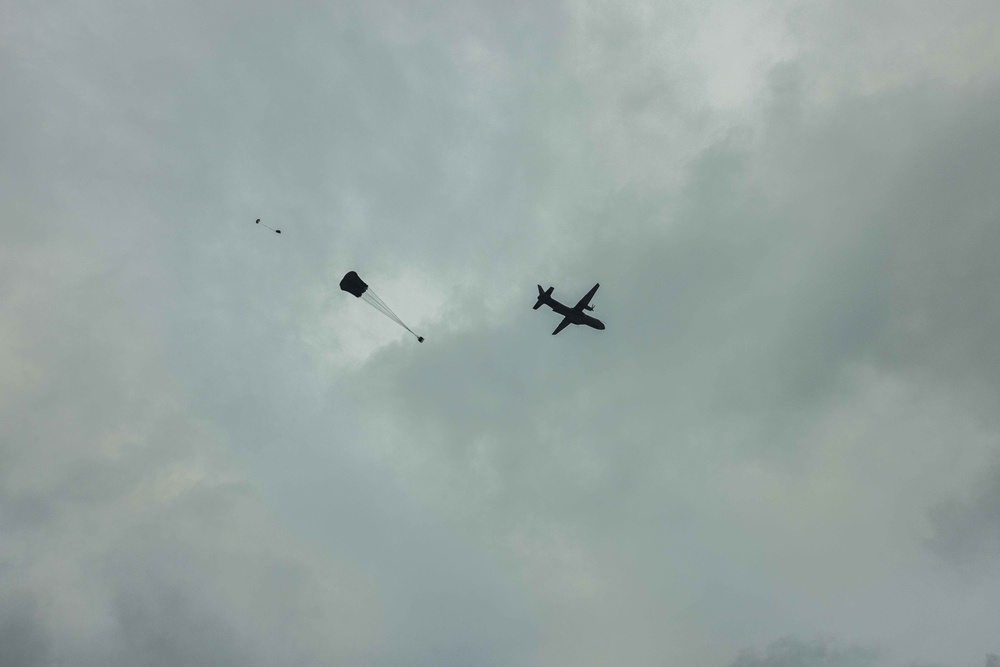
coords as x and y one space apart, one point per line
543 296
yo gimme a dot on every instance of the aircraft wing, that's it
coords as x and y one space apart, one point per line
585 301
562 325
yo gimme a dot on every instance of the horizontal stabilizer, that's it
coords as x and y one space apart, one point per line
543 296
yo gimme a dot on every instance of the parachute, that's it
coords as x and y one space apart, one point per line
353 284
276 231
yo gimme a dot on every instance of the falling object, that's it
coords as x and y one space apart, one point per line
353 284
276 231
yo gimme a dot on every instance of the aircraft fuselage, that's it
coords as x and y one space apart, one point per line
575 316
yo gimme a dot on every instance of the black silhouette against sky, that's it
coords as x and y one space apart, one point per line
574 315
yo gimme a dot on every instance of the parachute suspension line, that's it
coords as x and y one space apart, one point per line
382 309
353 284
382 304
370 297
373 299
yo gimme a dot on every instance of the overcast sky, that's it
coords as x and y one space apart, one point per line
784 451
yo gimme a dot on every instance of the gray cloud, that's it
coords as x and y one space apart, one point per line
967 532
23 642
209 456
745 320
791 652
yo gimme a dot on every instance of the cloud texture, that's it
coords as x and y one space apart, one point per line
209 455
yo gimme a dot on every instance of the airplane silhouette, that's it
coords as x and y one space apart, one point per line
574 315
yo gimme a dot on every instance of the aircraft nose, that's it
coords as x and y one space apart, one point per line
600 324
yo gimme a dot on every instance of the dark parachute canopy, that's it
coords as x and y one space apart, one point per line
353 284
